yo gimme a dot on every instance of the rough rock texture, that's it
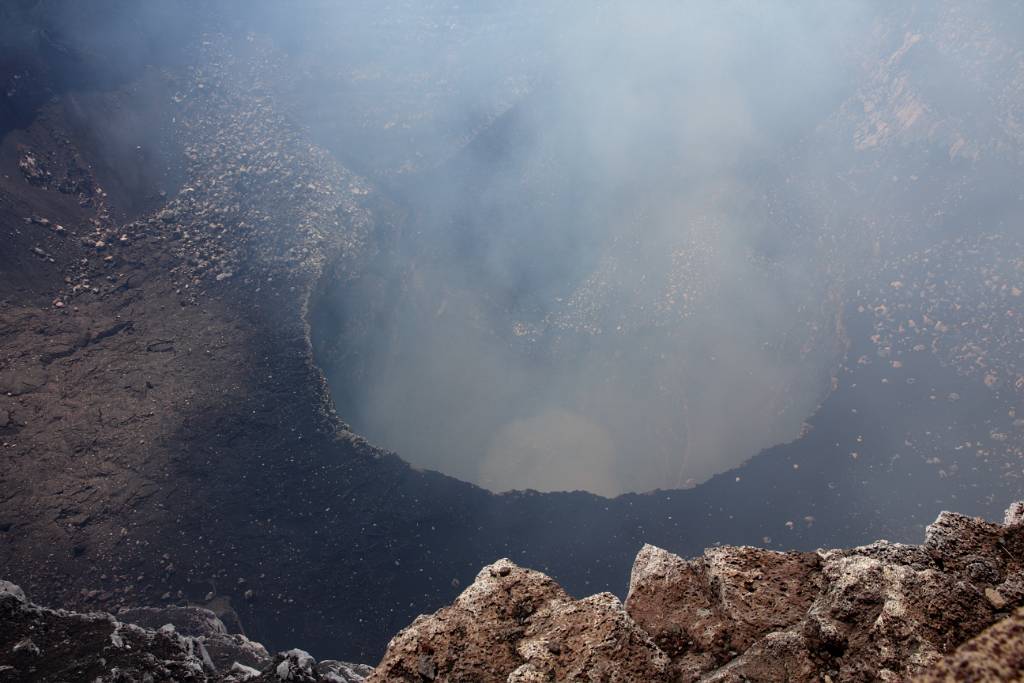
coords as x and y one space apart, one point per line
144 644
517 625
997 654
54 645
879 612
883 612
702 612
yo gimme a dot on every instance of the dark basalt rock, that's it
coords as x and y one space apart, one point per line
187 644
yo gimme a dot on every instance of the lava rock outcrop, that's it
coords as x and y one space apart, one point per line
518 625
880 612
883 611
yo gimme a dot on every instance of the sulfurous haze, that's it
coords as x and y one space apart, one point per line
639 269
618 246
588 294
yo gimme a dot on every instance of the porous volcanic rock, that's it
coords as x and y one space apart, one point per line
702 612
878 612
997 654
514 624
883 611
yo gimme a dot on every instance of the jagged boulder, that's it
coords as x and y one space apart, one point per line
883 611
517 625
704 612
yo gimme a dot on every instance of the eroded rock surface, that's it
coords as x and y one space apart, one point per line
997 654
883 612
880 612
703 612
517 625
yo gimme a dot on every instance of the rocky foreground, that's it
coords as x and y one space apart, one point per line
881 612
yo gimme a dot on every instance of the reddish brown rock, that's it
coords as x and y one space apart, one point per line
517 625
779 656
879 619
880 612
997 654
702 612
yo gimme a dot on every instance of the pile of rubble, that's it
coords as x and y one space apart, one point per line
260 205
77 180
973 322
186 644
260 201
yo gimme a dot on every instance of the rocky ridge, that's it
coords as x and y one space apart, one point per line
880 612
